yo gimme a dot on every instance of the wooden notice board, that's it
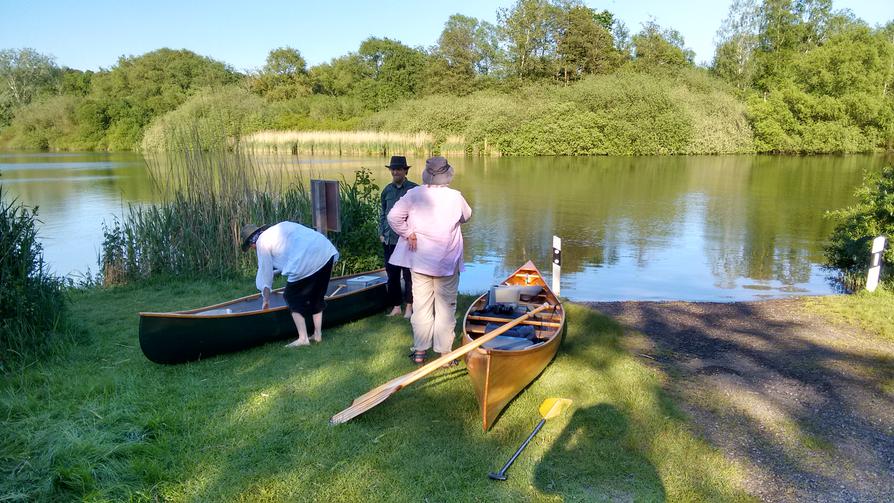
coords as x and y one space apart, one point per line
326 205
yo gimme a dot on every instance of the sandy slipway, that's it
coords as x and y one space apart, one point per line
805 405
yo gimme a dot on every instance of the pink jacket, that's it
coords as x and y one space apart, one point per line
434 213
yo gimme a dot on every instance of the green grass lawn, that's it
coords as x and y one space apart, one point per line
873 312
98 421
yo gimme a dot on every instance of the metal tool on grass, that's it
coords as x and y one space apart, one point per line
550 408
381 393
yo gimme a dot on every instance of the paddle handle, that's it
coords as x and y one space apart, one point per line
467 348
501 475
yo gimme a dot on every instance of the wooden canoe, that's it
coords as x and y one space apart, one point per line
239 324
498 375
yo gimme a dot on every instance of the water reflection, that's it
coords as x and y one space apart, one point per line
694 228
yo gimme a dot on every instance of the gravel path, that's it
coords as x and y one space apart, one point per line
806 406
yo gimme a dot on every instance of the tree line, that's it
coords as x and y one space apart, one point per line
809 79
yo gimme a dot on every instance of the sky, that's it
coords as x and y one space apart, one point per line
93 34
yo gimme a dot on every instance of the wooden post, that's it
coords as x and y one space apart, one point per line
557 264
875 263
326 206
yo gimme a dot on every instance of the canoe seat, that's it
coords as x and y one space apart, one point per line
519 331
505 342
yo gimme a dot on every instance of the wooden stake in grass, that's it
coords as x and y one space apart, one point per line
381 393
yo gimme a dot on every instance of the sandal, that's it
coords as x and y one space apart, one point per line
418 357
450 364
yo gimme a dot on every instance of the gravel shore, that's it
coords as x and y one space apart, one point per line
806 406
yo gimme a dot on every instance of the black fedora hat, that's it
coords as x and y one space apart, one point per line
398 162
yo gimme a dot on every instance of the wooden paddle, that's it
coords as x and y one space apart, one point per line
550 408
336 290
381 393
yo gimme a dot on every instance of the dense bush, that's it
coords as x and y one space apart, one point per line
871 216
32 300
213 115
681 111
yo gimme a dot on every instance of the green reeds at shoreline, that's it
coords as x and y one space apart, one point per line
32 299
205 199
345 143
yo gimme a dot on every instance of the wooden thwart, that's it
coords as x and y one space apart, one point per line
381 393
526 322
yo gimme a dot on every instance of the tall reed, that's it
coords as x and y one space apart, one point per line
371 143
32 300
206 196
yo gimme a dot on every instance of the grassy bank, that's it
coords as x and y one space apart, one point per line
100 422
873 312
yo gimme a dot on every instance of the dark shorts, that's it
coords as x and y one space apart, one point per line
306 296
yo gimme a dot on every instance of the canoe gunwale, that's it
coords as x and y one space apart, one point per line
193 313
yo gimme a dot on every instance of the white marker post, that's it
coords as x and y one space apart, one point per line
557 264
875 263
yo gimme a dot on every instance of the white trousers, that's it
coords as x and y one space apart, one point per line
434 312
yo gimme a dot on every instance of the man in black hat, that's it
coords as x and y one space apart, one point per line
390 194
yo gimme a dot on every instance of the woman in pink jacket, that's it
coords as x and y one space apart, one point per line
428 219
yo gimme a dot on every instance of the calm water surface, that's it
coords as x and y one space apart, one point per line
717 228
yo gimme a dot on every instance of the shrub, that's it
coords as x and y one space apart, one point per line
32 300
213 116
871 216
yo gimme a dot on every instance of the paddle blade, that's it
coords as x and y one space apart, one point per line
361 406
552 407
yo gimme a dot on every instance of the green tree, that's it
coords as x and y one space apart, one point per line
140 88
530 30
467 51
76 82
389 71
738 39
787 28
338 77
657 47
585 44
25 75
283 77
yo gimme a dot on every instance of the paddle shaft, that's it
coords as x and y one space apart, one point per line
373 397
467 348
501 475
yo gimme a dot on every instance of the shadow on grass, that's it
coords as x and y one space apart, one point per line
254 425
801 404
590 459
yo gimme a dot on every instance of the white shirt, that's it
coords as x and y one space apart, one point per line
293 249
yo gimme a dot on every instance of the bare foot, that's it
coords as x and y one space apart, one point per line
394 312
317 338
409 312
298 343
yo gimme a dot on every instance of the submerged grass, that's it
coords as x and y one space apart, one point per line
101 422
351 143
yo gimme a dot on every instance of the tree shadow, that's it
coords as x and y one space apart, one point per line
797 401
591 460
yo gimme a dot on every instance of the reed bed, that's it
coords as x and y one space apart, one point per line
347 143
32 299
205 199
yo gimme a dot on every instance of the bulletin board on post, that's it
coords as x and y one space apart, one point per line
326 205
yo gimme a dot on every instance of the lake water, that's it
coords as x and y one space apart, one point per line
708 228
